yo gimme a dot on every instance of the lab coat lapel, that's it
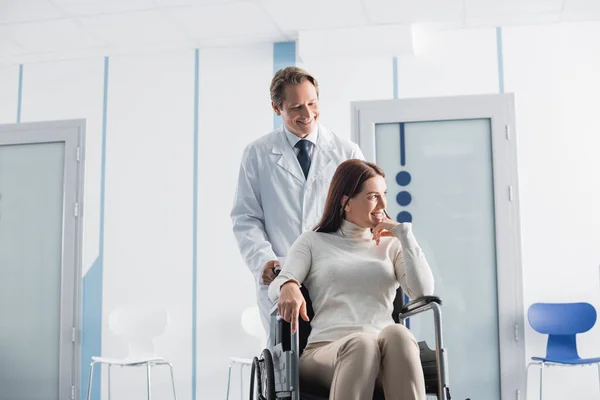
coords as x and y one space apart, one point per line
321 156
287 159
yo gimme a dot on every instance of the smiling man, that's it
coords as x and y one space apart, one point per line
283 180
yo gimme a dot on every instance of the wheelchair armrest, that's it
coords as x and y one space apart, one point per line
274 310
418 305
281 331
435 359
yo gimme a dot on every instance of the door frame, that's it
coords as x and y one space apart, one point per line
499 109
72 134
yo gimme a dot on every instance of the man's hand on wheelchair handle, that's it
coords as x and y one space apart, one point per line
291 304
268 273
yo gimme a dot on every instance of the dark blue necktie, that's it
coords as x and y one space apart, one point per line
304 155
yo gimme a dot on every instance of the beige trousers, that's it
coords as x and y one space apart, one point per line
354 364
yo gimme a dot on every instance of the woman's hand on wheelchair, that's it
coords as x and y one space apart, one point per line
291 304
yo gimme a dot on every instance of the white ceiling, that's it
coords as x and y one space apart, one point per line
34 30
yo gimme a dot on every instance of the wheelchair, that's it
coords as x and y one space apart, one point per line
275 372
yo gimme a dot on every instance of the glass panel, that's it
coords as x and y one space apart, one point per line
439 176
31 214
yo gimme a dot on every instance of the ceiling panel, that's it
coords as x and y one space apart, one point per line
225 20
407 11
97 7
28 10
9 47
240 41
512 19
5 64
140 27
491 8
50 35
293 16
175 3
43 29
581 10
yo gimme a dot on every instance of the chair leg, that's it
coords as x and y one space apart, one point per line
541 381
598 365
149 381
109 365
527 379
228 381
89 393
172 381
241 381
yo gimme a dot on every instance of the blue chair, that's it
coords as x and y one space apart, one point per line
561 322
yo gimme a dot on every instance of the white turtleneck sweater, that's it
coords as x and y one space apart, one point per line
352 280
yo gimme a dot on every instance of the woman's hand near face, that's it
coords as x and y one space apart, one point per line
291 303
383 229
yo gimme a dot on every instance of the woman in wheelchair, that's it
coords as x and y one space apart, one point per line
352 263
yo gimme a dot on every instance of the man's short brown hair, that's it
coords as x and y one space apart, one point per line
289 76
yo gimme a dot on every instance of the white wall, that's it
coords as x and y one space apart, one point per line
554 72
450 63
71 90
341 82
148 242
9 88
233 111
149 172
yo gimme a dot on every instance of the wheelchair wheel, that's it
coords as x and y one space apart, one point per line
269 375
254 372
262 377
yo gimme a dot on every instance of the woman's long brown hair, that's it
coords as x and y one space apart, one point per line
348 180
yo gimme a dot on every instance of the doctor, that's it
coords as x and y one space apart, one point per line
284 179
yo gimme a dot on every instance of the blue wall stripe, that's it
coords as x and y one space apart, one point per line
91 338
395 75
20 93
402 145
103 159
195 220
500 52
284 55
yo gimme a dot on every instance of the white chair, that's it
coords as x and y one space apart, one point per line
138 326
242 362
253 326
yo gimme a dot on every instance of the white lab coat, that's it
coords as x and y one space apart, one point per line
274 203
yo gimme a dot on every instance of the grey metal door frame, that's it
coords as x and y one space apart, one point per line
72 134
499 109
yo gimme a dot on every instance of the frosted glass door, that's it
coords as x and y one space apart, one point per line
439 177
31 219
